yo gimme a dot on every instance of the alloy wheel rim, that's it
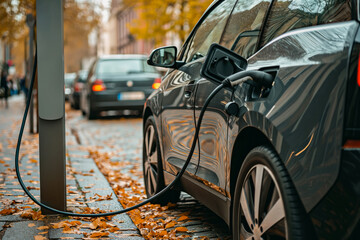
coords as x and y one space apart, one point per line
151 160
262 206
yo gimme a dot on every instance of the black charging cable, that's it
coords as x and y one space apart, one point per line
159 194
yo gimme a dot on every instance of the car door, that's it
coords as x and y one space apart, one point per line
309 42
177 116
240 35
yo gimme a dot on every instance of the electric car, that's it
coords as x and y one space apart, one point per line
276 159
69 79
76 88
118 82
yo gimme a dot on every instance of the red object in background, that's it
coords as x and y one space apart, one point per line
352 144
9 63
98 85
156 83
78 86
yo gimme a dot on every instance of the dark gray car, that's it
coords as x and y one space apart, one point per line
76 88
118 82
283 162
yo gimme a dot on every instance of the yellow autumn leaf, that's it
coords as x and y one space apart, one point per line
43 228
181 229
99 234
39 237
170 224
75 223
33 160
183 218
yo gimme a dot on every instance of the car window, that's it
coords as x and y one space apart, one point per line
243 29
82 76
123 67
69 78
209 31
148 68
286 15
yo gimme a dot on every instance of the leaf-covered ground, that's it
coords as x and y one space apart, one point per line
115 146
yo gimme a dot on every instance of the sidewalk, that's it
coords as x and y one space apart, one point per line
86 187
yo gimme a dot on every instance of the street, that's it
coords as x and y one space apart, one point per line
103 160
120 140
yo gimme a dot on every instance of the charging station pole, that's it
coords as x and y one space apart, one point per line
50 50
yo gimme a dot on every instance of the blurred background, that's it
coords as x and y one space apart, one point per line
97 27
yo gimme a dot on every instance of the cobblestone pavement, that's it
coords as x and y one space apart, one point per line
20 217
122 137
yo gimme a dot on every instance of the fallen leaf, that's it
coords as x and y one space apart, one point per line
31 225
33 161
170 224
31 214
181 229
99 234
183 218
43 228
39 237
75 223
98 223
9 211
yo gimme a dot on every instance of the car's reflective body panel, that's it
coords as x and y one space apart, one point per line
337 216
213 135
303 114
177 119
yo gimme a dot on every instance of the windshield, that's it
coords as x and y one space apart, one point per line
69 78
123 67
83 75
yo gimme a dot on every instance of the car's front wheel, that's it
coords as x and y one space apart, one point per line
152 165
265 202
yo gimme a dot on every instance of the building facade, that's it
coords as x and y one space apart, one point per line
120 40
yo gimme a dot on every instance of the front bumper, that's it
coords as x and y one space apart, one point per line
119 105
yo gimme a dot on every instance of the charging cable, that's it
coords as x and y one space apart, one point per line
226 83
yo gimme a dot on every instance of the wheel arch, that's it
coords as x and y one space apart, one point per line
247 139
146 114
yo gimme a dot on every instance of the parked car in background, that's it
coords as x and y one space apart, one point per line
69 79
76 88
118 82
276 159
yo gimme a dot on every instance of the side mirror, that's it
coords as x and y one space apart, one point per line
164 57
220 63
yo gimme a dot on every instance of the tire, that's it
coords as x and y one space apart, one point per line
91 114
152 166
266 205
